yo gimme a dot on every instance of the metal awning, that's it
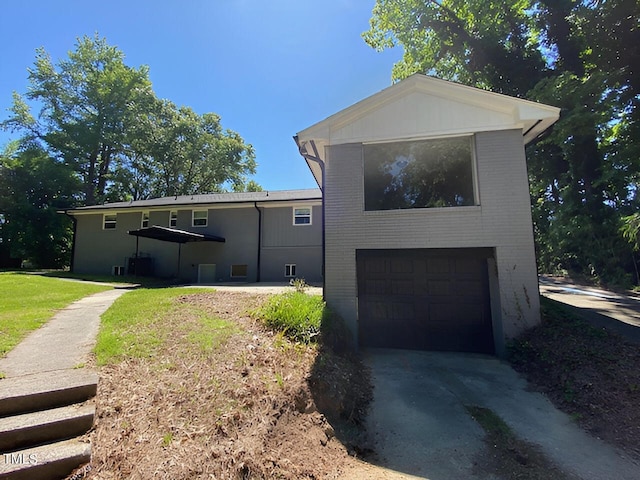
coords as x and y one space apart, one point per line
174 235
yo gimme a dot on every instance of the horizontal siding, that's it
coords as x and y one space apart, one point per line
308 262
279 231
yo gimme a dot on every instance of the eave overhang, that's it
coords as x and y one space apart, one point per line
422 107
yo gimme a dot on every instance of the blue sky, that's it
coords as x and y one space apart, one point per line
269 68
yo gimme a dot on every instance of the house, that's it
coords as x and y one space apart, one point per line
428 233
221 237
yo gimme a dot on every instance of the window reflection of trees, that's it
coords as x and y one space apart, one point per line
418 174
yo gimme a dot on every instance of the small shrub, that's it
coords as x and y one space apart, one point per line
296 314
299 284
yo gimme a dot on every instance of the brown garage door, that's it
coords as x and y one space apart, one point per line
425 299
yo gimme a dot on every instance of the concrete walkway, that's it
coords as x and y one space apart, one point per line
64 342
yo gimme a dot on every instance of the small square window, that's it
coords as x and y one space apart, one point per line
238 271
290 270
199 218
173 218
117 270
145 220
302 216
109 221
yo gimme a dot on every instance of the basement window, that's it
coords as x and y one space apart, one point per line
239 271
419 174
290 270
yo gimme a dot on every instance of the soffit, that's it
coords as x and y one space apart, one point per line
422 107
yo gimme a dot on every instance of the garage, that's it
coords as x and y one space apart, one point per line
425 299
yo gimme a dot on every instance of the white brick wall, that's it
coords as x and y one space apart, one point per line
501 221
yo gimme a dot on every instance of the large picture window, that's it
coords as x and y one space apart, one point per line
419 174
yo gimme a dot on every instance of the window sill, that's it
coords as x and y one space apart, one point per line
424 211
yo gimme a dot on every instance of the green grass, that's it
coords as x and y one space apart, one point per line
28 301
210 333
296 314
140 322
112 279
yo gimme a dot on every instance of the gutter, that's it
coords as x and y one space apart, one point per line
316 159
73 238
255 205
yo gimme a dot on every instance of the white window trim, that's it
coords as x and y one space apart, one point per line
302 216
142 219
292 271
171 212
114 222
193 218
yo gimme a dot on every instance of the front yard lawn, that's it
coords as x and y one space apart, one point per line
139 323
193 385
27 301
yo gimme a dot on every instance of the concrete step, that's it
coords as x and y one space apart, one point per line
31 429
42 391
48 462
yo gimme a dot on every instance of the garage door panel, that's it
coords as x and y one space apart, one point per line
403 287
473 289
376 286
401 265
468 266
438 265
438 287
375 265
424 299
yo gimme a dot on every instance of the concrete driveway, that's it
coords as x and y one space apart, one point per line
419 425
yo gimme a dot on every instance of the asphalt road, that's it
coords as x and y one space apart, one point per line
615 311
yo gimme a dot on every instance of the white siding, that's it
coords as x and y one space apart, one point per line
416 113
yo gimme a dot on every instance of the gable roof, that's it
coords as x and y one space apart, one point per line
313 194
420 106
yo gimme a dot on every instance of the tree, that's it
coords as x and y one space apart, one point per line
583 174
88 104
33 187
102 118
175 151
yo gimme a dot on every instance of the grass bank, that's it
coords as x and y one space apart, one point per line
27 301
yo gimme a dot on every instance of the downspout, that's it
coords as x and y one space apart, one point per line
73 240
255 205
316 159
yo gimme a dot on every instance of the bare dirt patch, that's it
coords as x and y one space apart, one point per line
248 408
